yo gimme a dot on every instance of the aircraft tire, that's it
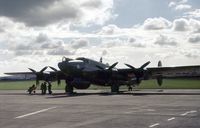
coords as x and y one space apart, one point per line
69 88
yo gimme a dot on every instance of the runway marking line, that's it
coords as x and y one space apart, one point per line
36 112
153 125
171 119
188 112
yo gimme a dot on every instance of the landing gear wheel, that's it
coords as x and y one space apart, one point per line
69 88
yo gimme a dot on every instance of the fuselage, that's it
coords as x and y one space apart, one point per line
84 69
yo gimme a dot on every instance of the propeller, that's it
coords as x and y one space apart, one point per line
139 72
57 75
39 75
109 68
159 77
112 66
107 72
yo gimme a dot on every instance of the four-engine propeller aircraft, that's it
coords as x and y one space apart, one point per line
81 72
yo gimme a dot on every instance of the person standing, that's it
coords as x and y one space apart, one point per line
45 87
42 88
49 88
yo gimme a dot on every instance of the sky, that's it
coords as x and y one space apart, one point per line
34 33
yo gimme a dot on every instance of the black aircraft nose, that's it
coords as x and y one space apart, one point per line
61 65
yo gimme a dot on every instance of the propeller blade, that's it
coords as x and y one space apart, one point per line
53 69
32 70
43 69
145 64
130 66
57 75
112 66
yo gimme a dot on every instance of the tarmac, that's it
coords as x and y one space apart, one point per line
99 109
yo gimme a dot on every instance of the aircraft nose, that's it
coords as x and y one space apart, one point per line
61 65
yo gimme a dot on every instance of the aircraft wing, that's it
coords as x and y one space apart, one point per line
175 72
19 73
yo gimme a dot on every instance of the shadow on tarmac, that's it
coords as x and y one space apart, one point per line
133 93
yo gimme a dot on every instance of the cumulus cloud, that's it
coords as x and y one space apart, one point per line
60 51
23 52
163 40
183 24
53 45
156 23
45 12
195 38
104 52
172 4
182 7
132 42
109 43
190 53
180 24
41 38
109 30
193 14
79 43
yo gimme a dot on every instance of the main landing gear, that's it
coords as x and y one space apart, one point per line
69 89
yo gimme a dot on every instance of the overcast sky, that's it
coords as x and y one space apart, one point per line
36 33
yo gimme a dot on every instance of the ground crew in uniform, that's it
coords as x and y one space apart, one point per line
42 88
49 87
45 88
32 89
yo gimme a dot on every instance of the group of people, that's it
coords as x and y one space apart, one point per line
43 87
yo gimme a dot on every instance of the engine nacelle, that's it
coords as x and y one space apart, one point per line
81 84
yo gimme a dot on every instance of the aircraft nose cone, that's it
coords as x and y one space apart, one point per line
61 66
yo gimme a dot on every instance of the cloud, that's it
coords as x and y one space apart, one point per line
37 13
190 53
92 3
45 12
79 43
109 30
163 40
193 14
172 4
133 43
53 45
195 38
23 52
104 52
156 23
41 38
180 24
182 7
60 51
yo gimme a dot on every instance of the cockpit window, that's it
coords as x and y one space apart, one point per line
66 59
83 59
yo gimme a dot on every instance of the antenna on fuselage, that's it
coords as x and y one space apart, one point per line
101 60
